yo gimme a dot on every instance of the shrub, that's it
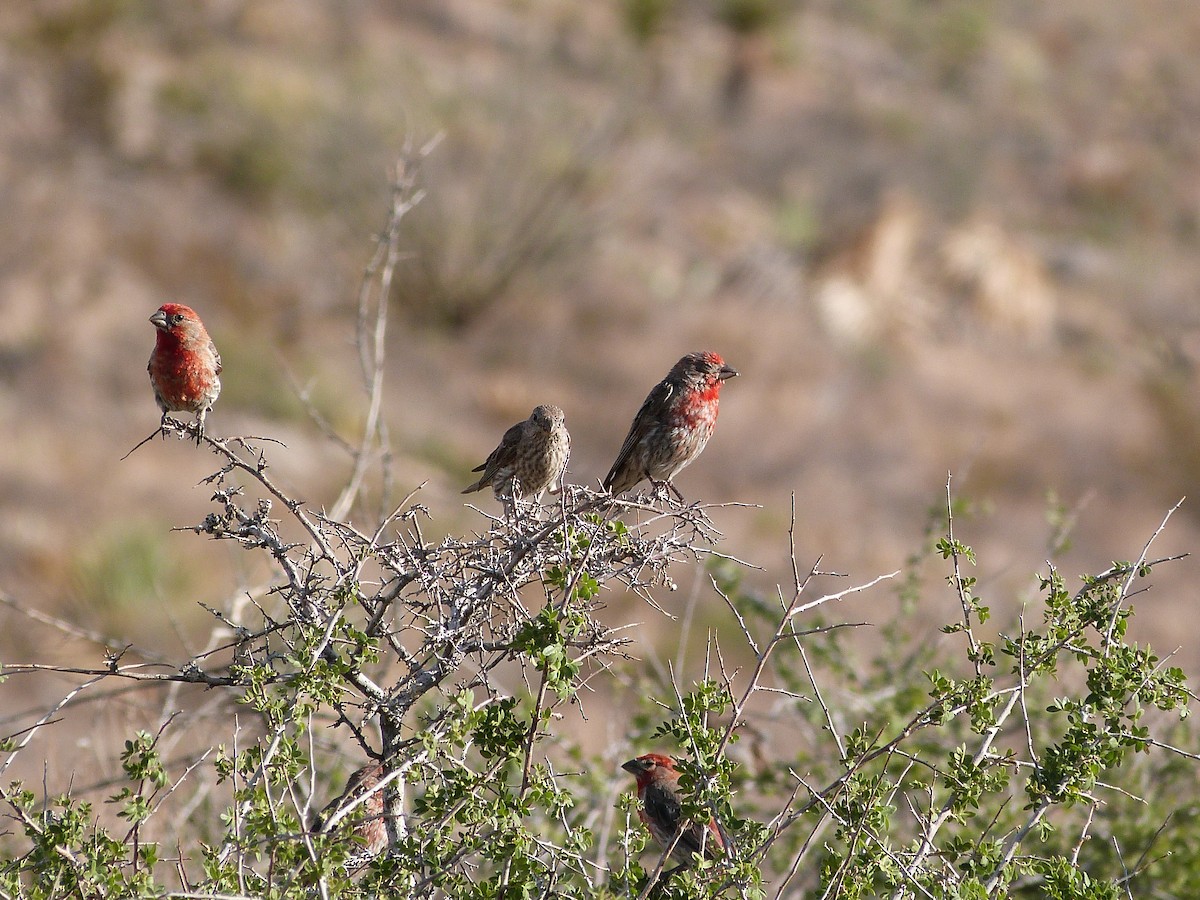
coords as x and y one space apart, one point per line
1000 761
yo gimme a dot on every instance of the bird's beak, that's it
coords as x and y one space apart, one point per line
159 319
633 766
726 372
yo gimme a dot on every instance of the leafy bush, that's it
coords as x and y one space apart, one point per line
1041 757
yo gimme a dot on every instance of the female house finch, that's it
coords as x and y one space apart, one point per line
662 810
531 456
362 803
184 365
675 422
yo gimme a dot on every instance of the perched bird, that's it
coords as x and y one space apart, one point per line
185 365
367 827
661 810
531 456
675 422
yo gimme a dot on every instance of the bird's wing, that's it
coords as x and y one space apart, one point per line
662 805
501 455
216 358
359 782
651 410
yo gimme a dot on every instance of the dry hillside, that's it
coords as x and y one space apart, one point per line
953 237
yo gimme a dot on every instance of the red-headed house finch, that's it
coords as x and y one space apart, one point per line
661 810
360 805
185 365
675 422
531 456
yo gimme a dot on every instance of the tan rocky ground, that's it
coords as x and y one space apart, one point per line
932 239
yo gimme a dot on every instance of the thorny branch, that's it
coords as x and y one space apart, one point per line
409 626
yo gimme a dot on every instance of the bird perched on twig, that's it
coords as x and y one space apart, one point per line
661 810
675 422
530 458
364 793
185 365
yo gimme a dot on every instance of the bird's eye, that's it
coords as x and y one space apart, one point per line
177 318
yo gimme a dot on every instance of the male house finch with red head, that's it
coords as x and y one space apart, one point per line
661 810
531 456
675 422
367 815
184 365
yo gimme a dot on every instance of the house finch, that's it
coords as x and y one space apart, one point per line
675 422
662 810
366 814
184 365
531 456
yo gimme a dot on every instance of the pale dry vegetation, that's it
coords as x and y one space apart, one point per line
932 237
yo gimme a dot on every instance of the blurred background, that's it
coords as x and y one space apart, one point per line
953 236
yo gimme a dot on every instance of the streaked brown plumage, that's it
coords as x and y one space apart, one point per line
530 458
675 422
365 820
